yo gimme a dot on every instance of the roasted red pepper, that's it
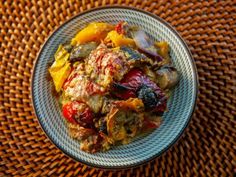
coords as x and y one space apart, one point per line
119 27
69 112
129 84
137 84
78 113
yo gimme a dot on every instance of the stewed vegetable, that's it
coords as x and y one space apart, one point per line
112 81
167 77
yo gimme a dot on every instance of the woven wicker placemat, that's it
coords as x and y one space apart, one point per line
208 146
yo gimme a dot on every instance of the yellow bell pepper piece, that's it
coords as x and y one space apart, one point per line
119 39
59 76
60 52
93 32
60 69
59 63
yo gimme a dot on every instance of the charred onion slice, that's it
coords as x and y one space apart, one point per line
145 44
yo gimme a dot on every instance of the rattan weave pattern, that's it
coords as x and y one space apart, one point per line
208 146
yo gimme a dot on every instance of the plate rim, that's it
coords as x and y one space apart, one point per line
179 135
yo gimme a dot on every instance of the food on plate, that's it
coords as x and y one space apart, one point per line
114 83
93 32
